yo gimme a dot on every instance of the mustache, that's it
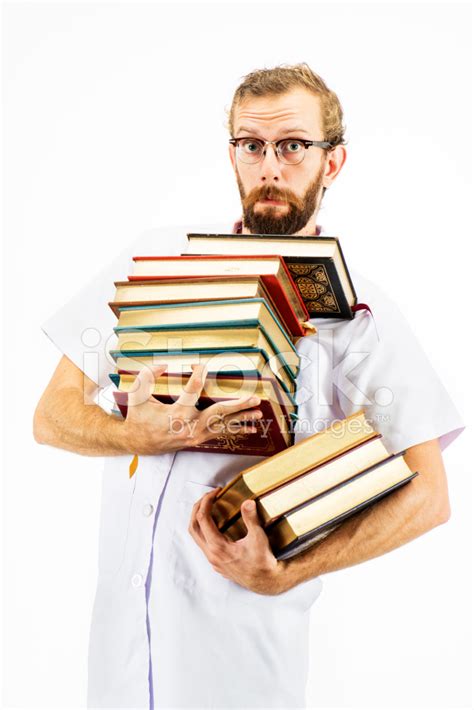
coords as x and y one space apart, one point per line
269 192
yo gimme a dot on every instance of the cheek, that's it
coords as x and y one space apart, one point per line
300 181
296 182
247 177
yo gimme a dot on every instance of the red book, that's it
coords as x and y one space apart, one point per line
274 429
271 268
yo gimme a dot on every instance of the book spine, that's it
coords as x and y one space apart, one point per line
348 273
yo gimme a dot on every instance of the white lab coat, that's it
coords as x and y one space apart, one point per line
167 630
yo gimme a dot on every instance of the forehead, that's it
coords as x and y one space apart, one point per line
270 116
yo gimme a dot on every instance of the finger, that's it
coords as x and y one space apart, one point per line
233 423
250 517
250 415
193 387
194 527
206 523
240 428
144 385
231 406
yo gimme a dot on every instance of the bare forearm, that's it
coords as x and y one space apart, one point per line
67 423
393 522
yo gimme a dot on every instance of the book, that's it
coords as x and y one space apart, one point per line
312 451
224 339
316 264
315 519
218 388
311 483
169 289
320 479
274 430
225 315
270 268
203 314
250 362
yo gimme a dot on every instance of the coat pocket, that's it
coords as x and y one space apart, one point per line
193 573
190 568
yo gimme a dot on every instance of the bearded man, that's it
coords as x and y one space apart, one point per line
182 616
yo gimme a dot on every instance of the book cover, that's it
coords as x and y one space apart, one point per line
320 287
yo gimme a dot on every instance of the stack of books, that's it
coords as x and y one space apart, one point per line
240 314
305 493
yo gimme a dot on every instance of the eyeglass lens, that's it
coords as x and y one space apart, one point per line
289 151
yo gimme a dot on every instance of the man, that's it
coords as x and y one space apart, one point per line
183 617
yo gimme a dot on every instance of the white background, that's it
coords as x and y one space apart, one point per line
114 123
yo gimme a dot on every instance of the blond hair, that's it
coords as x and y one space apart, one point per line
283 78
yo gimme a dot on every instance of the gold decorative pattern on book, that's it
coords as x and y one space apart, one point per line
235 442
315 287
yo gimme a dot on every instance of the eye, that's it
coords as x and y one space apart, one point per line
291 146
250 146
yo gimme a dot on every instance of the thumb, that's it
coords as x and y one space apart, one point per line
250 515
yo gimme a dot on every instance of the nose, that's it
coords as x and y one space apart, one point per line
270 166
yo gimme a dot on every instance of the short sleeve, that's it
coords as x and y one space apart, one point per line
83 329
383 369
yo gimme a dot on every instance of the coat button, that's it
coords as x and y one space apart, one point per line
148 510
137 580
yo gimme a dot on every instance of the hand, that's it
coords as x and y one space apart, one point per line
250 561
152 427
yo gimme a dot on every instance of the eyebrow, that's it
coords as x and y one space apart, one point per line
287 131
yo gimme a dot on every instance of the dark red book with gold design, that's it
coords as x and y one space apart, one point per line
274 429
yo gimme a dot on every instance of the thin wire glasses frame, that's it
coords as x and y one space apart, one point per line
291 158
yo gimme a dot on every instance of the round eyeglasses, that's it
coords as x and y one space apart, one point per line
290 151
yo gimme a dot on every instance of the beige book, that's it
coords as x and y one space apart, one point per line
320 479
215 312
197 339
302 527
231 362
175 290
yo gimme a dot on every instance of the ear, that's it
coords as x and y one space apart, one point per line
232 156
336 159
